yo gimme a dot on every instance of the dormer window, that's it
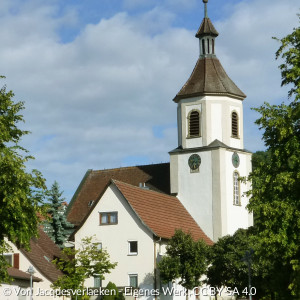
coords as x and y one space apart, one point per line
91 203
194 124
234 125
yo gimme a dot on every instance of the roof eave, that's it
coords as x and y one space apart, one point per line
178 97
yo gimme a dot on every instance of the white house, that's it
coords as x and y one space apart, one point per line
42 252
133 211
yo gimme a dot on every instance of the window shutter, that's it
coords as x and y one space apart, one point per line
16 261
234 125
194 124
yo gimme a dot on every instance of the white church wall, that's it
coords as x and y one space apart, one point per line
215 121
115 238
195 189
237 142
237 215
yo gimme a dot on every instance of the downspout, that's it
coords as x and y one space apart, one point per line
155 267
155 271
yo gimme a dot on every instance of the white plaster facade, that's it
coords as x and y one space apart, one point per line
115 238
215 121
208 193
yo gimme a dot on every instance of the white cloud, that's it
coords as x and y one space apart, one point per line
95 102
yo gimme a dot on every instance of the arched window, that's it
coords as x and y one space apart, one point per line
213 46
234 125
236 189
194 124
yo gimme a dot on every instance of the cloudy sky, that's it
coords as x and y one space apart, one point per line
98 76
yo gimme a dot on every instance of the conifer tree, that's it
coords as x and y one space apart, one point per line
57 227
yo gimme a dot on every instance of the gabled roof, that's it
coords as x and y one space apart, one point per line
161 213
209 78
42 251
206 28
18 274
155 176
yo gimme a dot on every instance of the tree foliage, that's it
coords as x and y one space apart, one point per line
115 294
4 248
275 197
289 51
57 226
80 264
185 260
259 157
21 191
226 267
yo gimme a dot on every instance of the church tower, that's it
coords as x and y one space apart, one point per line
210 157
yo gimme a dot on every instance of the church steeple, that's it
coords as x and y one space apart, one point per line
206 35
208 77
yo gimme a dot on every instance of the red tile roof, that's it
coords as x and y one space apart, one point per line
18 274
209 78
42 251
161 213
156 177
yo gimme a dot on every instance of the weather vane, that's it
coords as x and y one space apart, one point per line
205 8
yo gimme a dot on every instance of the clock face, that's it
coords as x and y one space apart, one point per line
194 161
235 160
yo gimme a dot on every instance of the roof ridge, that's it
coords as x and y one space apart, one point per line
142 189
129 167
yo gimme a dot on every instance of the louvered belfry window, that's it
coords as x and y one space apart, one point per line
194 124
234 125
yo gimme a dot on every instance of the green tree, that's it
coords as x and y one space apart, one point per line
185 260
57 226
80 264
4 277
276 189
258 157
228 268
289 51
21 191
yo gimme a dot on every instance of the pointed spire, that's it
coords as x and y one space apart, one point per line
206 27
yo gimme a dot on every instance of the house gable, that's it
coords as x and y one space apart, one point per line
116 237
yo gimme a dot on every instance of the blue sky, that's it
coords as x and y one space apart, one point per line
98 77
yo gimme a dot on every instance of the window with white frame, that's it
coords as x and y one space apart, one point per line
236 188
133 280
108 218
132 247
